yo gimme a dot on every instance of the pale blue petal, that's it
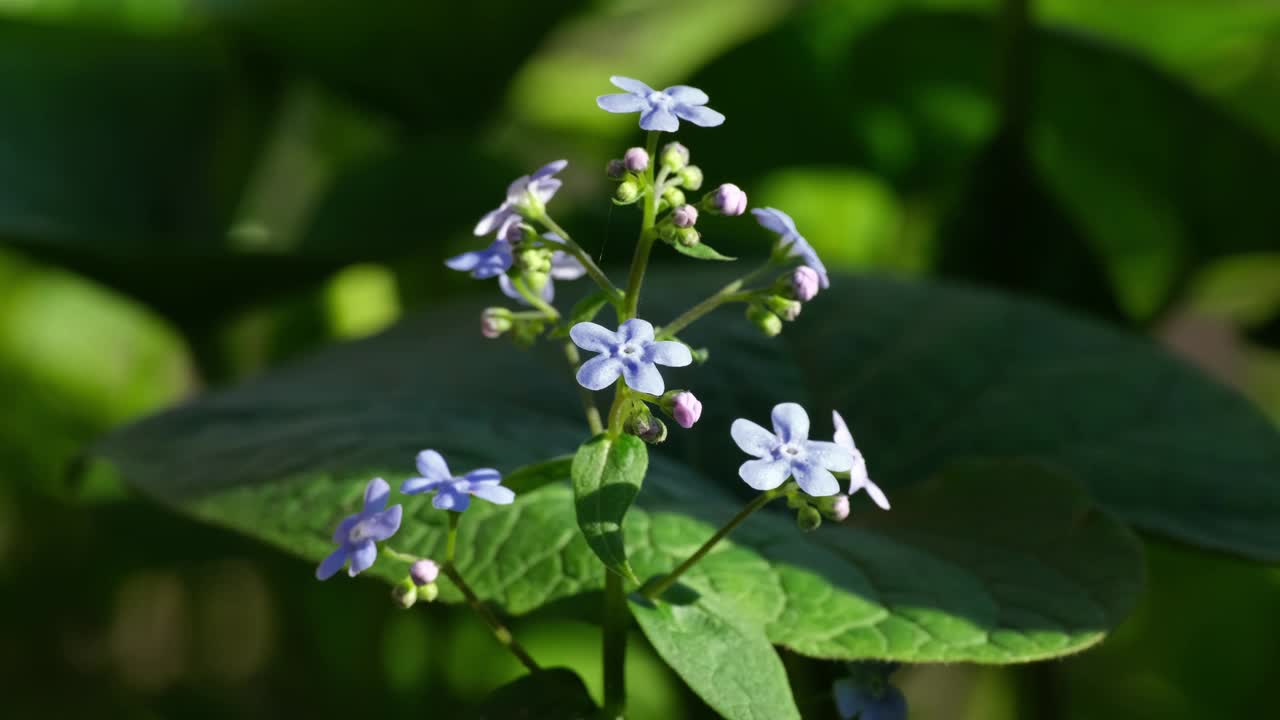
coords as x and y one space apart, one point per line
699 115
815 479
418 485
843 437
495 494
432 465
753 439
594 338
643 377
332 564
450 499
848 699
362 557
636 330
877 495
493 219
630 85
483 264
599 372
566 267
659 119
686 95
669 353
382 525
545 188
344 528
552 237
764 474
790 422
774 220
482 476
829 455
622 103
375 495
549 169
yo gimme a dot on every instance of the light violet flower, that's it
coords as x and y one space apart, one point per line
861 703
685 216
782 224
525 192
424 572
358 534
660 109
454 493
804 283
686 409
788 452
729 199
636 159
631 352
563 267
858 478
490 262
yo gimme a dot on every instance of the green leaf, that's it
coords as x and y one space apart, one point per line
701 251
729 663
554 694
607 475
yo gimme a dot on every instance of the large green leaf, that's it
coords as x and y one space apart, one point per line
555 694
607 475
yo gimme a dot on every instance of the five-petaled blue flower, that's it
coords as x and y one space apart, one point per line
788 237
631 352
357 534
454 493
788 452
660 109
541 186
856 702
858 477
490 262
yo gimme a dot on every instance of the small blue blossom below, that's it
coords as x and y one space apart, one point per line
858 477
454 493
631 353
788 237
358 534
493 261
855 702
788 452
660 109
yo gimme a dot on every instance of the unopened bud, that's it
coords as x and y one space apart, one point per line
688 236
804 283
674 196
691 178
428 592
675 156
808 519
835 507
627 193
424 572
534 260
728 199
683 407
648 428
616 169
636 159
700 355
404 594
762 318
786 309
684 216
494 322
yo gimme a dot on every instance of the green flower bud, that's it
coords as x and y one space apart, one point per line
674 156
687 236
784 308
494 322
691 177
428 592
700 355
674 196
647 427
534 260
628 192
808 519
762 318
405 593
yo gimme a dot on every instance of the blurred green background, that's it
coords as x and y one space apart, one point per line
193 191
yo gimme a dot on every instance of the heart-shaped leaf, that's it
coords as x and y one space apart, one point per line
607 475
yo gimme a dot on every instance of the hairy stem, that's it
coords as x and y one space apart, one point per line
640 262
658 587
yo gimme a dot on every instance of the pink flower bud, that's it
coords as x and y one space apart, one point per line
804 283
685 216
729 200
636 159
424 572
840 508
686 409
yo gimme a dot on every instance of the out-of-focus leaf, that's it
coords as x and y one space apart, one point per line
555 694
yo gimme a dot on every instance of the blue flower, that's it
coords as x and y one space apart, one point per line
660 109
631 353
855 702
858 478
781 223
788 452
563 267
454 493
492 261
523 194
357 534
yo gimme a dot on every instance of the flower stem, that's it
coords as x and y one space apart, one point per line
727 294
581 255
523 288
500 631
658 587
616 621
451 540
640 262
594 422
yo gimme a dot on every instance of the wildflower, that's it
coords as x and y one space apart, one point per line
490 262
454 493
858 478
804 283
527 194
358 534
728 199
660 109
631 352
788 452
782 224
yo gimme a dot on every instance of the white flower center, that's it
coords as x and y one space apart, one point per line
629 350
660 99
791 451
359 533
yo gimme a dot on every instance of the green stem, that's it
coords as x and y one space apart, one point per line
588 400
574 249
616 620
523 288
727 294
657 588
640 262
451 540
500 631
